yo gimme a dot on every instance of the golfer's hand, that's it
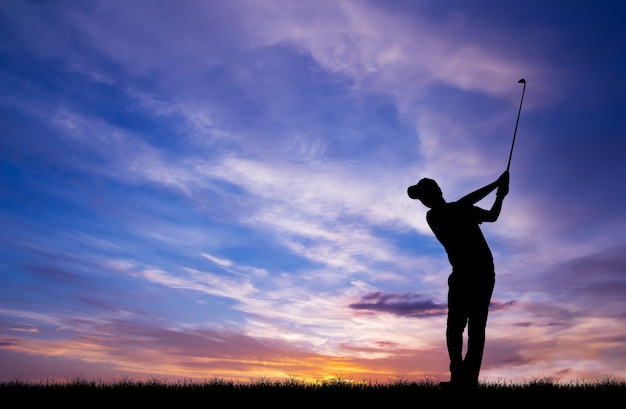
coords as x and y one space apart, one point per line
503 184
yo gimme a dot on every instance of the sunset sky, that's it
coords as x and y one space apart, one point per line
192 189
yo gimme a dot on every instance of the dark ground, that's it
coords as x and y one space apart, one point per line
295 394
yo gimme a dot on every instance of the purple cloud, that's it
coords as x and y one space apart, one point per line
411 305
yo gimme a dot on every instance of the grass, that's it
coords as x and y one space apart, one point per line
296 392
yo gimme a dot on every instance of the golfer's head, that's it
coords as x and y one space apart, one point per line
427 191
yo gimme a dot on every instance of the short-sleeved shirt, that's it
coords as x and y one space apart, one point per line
456 226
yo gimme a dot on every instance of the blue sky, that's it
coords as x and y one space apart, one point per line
205 188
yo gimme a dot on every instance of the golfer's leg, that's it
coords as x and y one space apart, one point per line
477 324
457 320
475 345
454 336
454 340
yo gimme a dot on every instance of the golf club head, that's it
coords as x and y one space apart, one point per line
522 81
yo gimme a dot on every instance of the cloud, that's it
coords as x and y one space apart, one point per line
323 205
219 261
412 305
592 284
7 343
140 348
300 308
498 305
412 48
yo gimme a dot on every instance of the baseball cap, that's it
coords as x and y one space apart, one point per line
423 188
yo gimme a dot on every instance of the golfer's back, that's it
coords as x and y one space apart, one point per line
457 228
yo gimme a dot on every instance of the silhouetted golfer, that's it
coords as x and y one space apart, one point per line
470 285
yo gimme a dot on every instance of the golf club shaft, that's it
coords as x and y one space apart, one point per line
516 123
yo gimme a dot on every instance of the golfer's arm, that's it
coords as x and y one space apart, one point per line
477 195
493 213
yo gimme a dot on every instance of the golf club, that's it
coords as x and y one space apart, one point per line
522 81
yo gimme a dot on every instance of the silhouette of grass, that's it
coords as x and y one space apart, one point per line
215 391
